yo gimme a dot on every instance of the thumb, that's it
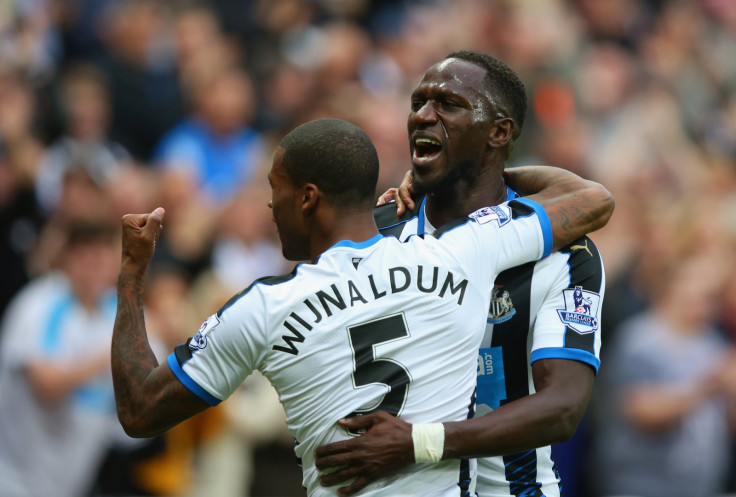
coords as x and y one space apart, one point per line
158 214
155 219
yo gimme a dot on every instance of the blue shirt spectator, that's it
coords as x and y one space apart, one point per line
219 164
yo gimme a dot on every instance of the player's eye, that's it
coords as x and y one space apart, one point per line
446 102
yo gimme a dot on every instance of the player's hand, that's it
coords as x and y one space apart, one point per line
402 195
386 447
140 233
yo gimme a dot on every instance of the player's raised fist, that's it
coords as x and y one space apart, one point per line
140 233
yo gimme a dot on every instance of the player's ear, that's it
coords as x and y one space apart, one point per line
310 197
501 133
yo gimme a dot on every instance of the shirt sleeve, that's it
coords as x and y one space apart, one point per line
228 346
567 325
496 238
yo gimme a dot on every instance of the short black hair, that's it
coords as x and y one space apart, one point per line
335 155
504 83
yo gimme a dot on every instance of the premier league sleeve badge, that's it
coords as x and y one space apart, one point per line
199 341
581 310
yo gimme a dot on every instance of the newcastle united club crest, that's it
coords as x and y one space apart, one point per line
502 309
581 310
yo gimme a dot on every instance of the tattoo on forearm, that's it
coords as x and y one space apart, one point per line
132 357
147 396
574 206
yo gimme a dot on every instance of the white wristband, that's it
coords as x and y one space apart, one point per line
429 441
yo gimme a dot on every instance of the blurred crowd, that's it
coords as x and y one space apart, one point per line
116 106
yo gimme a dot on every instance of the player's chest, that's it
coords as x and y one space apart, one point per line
513 303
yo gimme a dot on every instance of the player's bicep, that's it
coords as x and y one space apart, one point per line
175 396
170 402
568 380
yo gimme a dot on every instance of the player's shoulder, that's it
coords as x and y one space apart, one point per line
582 250
580 259
582 262
387 220
494 215
262 286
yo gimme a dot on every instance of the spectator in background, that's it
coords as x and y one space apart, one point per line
29 40
83 197
201 47
140 66
21 148
20 217
58 418
670 390
204 163
213 148
85 109
246 245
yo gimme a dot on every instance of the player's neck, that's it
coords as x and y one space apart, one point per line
356 227
442 207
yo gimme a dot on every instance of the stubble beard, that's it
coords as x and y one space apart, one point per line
454 183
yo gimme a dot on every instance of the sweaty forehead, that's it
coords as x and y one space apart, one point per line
457 76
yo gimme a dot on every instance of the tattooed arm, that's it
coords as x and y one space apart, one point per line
575 206
149 398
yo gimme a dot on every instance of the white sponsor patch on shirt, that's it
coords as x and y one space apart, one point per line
499 213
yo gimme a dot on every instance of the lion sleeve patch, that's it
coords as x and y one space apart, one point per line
199 341
581 310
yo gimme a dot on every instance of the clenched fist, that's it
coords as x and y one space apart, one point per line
140 233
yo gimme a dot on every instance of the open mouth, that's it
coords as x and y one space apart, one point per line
426 148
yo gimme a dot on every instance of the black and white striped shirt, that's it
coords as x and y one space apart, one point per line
547 309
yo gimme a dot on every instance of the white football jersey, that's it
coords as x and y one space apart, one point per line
547 309
377 325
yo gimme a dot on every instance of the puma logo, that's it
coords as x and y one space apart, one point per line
584 247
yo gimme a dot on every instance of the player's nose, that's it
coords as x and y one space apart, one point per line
425 114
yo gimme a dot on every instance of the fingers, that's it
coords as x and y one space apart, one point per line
134 221
326 462
339 476
405 192
392 194
331 449
364 421
355 487
140 221
406 201
343 475
387 197
400 206
140 233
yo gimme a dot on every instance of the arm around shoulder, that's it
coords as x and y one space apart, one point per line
575 206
